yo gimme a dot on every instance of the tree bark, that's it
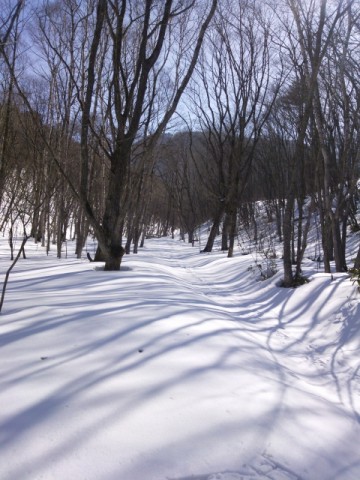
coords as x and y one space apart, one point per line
213 232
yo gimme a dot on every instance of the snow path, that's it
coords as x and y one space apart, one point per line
180 367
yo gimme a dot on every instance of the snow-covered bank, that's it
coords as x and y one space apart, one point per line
181 366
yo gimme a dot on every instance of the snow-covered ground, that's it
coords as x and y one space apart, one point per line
181 366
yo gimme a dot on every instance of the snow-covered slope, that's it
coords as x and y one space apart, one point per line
181 366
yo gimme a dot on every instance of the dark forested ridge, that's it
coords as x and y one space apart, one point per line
132 119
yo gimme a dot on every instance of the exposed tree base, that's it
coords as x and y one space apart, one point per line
297 281
112 262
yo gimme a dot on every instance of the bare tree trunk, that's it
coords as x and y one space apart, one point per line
328 201
357 260
225 234
232 231
8 29
287 238
21 250
302 240
213 232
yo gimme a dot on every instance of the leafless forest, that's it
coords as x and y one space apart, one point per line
126 119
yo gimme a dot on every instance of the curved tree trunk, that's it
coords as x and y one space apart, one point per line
213 232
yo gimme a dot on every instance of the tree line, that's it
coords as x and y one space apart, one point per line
124 119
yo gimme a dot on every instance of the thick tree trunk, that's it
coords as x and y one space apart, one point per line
191 237
128 242
137 236
114 261
115 208
81 232
338 257
213 232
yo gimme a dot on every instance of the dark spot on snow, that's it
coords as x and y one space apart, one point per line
44 358
140 350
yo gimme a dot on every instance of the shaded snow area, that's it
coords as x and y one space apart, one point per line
179 367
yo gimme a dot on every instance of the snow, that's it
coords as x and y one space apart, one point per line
179 367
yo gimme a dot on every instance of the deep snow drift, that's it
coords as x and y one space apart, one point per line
181 366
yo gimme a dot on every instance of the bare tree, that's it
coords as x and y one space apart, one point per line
9 30
234 98
307 46
144 41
